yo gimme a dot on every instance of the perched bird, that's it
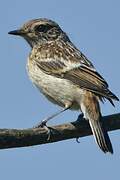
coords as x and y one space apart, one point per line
65 76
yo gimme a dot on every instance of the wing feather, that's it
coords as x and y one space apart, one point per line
75 67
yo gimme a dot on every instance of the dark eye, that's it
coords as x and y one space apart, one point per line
43 28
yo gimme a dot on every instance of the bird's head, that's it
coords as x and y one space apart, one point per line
39 31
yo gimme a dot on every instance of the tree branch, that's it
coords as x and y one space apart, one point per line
11 138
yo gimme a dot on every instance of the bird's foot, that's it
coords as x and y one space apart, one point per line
77 140
43 124
80 117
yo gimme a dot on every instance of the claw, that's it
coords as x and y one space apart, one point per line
48 133
78 120
77 140
42 124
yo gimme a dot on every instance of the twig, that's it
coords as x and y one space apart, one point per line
11 138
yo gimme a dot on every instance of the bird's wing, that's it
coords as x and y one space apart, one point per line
77 69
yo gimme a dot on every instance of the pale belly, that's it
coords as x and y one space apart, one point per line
58 91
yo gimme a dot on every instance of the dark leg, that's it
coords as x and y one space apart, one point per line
80 117
44 121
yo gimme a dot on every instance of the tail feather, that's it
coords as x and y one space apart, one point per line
91 110
101 136
111 95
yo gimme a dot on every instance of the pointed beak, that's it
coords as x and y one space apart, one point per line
17 32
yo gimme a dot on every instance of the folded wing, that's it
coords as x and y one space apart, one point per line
79 70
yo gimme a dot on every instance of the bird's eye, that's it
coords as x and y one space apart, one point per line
43 28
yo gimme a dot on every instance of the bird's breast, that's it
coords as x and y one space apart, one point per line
57 90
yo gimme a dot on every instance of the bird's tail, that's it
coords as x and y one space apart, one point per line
101 136
91 110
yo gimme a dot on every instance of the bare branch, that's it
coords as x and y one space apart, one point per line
11 138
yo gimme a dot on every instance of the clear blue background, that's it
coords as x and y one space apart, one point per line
94 27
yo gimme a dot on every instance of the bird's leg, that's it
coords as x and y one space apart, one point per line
81 116
44 121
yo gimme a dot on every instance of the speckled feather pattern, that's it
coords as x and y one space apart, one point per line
57 90
63 60
65 76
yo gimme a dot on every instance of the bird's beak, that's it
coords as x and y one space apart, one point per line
17 32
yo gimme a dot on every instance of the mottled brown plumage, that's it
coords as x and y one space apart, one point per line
65 76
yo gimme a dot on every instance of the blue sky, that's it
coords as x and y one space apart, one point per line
94 28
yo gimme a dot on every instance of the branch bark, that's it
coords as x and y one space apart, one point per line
12 138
